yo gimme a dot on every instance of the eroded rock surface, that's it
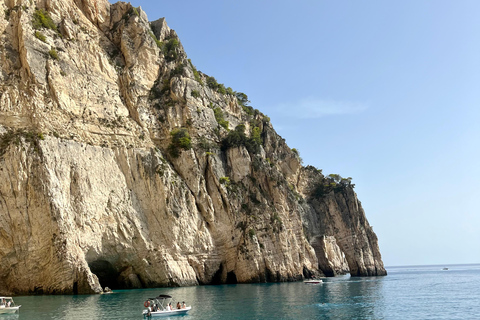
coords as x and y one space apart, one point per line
97 187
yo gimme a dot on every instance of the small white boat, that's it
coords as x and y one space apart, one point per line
161 307
8 306
313 281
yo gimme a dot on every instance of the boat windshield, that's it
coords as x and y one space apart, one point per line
161 302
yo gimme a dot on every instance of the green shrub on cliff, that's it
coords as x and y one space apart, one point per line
219 87
53 54
255 136
157 42
195 94
42 19
212 83
134 11
219 117
170 49
180 140
225 181
237 138
40 36
297 153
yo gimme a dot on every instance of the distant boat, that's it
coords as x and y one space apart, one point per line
7 305
445 269
313 281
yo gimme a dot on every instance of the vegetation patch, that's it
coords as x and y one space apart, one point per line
196 75
195 94
180 140
132 12
219 117
297 154
53 54
15 137
334 182
178 71
157 42
243 101
40 36
213 84
170 49
237 138
225 181
242 98
42 19
206 145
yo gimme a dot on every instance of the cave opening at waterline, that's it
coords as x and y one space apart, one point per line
106 273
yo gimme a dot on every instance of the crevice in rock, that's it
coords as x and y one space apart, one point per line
20 44
51 87
123 84
217 277
75 287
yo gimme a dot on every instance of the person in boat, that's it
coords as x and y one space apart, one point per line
178 305
169 307
149 310
184 305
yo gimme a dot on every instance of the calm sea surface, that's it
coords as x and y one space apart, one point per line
420 292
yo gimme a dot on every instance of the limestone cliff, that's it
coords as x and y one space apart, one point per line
121 165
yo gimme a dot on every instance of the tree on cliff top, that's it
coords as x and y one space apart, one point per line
334 182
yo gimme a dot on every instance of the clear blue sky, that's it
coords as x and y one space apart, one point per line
385 92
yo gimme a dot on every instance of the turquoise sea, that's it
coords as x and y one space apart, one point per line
416 292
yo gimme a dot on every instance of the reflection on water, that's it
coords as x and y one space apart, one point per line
405 293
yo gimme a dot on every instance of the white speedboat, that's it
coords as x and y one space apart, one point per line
313 281
161 306
8 306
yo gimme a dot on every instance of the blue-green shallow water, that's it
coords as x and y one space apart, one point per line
425 292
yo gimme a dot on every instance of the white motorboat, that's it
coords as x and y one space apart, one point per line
161 306
8 306
313 281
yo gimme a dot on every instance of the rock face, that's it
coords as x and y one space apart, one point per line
121 165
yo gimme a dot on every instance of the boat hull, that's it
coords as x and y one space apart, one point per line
9 310
174 312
